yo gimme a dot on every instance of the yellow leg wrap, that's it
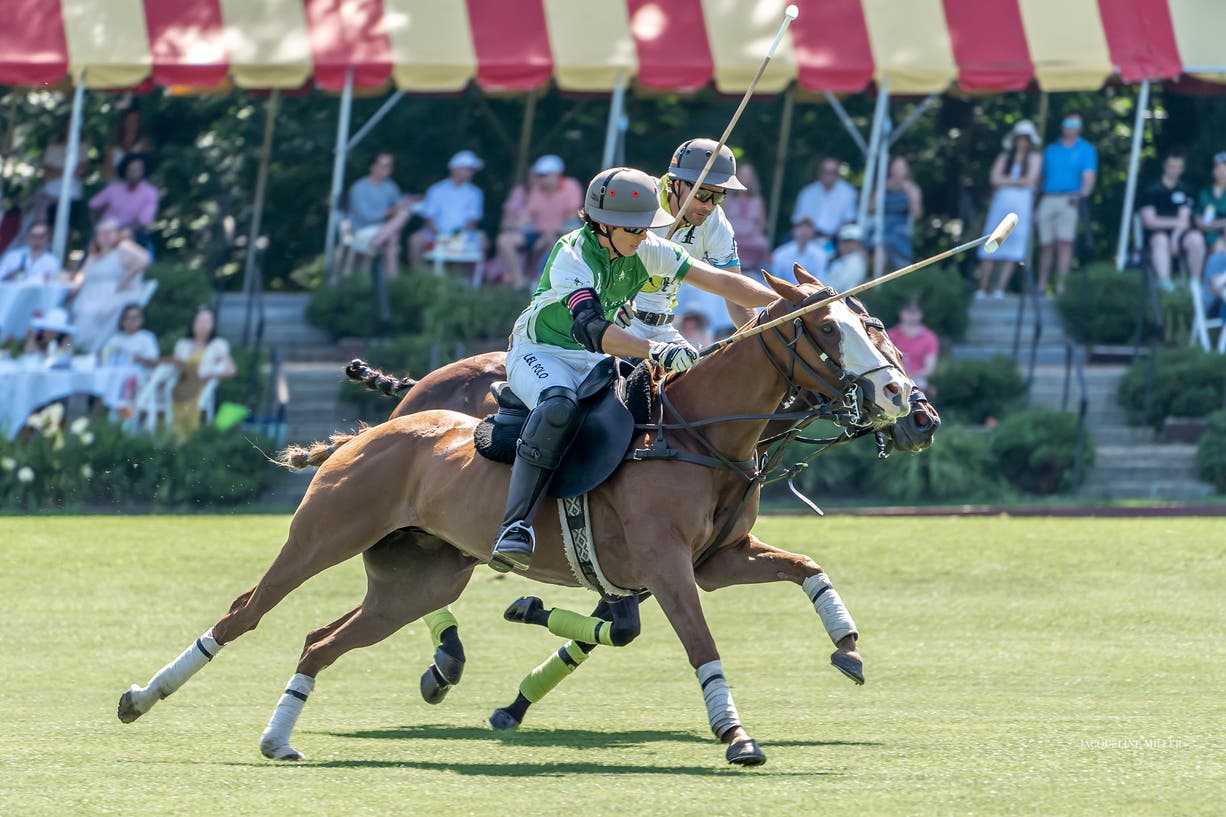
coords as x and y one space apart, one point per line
552 671
578 627
438 621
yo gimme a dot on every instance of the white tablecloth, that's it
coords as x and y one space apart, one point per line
24 389
20 302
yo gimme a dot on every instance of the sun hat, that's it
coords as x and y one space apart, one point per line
56 320
465 158
851 232
1023 127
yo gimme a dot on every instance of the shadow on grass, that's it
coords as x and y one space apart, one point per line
512 769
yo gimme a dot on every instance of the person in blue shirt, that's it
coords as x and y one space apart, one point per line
1070 166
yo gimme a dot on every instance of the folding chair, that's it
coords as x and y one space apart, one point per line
153 402
1202 323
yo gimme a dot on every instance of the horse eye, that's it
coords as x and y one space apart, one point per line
827 329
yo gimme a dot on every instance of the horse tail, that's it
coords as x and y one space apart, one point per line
376 380
297 457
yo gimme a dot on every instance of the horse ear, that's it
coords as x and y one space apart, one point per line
783 289
803 276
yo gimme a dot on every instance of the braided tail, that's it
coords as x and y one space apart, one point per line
376 380
297 457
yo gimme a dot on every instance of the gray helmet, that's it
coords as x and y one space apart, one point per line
624 197
691 157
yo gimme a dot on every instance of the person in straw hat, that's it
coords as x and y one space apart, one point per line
1014 174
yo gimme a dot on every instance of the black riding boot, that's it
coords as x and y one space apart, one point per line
547 431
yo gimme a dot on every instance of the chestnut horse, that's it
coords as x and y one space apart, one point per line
419 477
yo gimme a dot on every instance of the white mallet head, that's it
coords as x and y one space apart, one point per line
1001 233
791 12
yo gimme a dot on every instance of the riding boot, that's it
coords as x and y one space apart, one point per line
547 432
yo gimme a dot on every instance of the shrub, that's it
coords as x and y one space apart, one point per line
1187 382
1211 452
181 289
942 292
1034 450
1105 312
974 390
958 466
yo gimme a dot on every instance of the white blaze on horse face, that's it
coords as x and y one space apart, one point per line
890 387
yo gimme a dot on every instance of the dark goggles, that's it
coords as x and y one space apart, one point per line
715 197
634 230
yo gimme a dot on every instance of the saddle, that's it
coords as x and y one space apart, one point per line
606 425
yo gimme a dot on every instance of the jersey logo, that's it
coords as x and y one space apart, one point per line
655 283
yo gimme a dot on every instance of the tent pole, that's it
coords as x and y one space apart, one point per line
1134 161
375 119
59 241
525 139
874 144
848 125
781 159
338 172
883 164
250 276
616 105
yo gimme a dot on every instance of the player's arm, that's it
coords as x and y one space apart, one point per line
730 284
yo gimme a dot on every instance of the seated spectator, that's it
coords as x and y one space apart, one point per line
904 205
131 343
33 263
1211 206
50 338
829 202
696 328
917 343
533 219
805 249
202 357
1214 283
129 139
378 212
850 265
109 279
746 211
48 200
1166 215
453 205
131 202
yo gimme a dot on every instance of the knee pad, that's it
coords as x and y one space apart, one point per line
549 426
626 623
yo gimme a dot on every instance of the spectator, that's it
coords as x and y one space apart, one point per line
378 212
534 218
829 202
109 279
696 328
904 206
1166 215
129 139
201 357
1211 206
33 263
131 203
453 205
917 344
48 201
805 249
1070 166
1214 283
850 264
131 342
1014 174
50 338
746 211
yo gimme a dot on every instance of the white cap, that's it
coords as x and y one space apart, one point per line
56 320
851 232
547 164
465 158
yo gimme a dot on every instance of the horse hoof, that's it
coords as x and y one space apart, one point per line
853 668
128 710
503 720
523 609
746 753
434 687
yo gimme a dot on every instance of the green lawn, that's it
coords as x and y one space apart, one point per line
1053 667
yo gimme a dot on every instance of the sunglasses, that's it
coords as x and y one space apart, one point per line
710 196
634 230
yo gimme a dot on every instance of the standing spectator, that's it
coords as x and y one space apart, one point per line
201 357
453 205
1211 206
829 202
917 344
131 203
805 249
48 201
109 279
378 212
850 264
129 138
534 218
33 263
1014 174
1166 214
746 211
1070 166
904 205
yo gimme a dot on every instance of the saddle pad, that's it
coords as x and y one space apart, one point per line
496 441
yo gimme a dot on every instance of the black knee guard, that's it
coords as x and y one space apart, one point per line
549 427
625 626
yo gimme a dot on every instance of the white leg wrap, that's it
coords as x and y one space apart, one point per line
721 711
274 743
830 608
175 674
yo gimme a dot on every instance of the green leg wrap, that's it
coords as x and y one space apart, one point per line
438 621
578 627
552 671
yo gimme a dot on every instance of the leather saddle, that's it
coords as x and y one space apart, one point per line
606 428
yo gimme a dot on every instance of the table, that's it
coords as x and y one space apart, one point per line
19 302
24 388
459 249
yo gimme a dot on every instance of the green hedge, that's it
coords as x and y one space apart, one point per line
1211 451
1188 382
942 292
1106 312
182 289
1034 450
971 391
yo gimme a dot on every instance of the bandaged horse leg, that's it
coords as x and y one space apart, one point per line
618 630
448 664
138 700
752 561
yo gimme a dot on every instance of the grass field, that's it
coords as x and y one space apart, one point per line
1045 667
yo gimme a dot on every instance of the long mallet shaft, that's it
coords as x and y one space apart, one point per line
789 14
991 242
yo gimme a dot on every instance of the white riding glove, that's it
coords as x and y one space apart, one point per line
625 314
675 357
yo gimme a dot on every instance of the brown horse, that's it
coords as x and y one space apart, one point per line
418 477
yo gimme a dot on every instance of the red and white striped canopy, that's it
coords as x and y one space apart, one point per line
921 46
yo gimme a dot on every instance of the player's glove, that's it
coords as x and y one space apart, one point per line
625 314
675 357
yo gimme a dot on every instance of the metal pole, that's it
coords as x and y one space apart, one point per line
913 117
525 139
883 163
848 125
616 104
257 207
1134 161
874 140
59 241
781 158
375 119
338 171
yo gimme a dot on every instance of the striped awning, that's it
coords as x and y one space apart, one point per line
921 46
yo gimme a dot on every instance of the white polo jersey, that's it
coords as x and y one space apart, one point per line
712 242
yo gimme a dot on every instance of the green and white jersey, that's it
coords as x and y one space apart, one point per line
578 261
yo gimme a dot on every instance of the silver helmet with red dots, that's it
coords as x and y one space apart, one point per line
624 197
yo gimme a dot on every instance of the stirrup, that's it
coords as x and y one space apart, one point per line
511 555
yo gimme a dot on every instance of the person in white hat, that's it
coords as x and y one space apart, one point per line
50 335
536 215
850 264
453 205
1014 176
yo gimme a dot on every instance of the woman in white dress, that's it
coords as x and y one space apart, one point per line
1014 174
109 280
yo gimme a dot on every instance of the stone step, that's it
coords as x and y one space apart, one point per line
1146 489
1049 355
1110 435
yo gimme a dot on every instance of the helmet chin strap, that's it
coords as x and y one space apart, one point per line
612 244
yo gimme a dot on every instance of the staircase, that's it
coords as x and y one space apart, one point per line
992 330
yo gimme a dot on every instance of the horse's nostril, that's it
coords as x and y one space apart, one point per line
921 419
892 389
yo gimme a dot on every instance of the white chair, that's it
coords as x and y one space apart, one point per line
1202 323
153 402
146 292
207 402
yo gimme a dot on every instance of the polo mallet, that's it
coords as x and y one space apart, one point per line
789 14
990 242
